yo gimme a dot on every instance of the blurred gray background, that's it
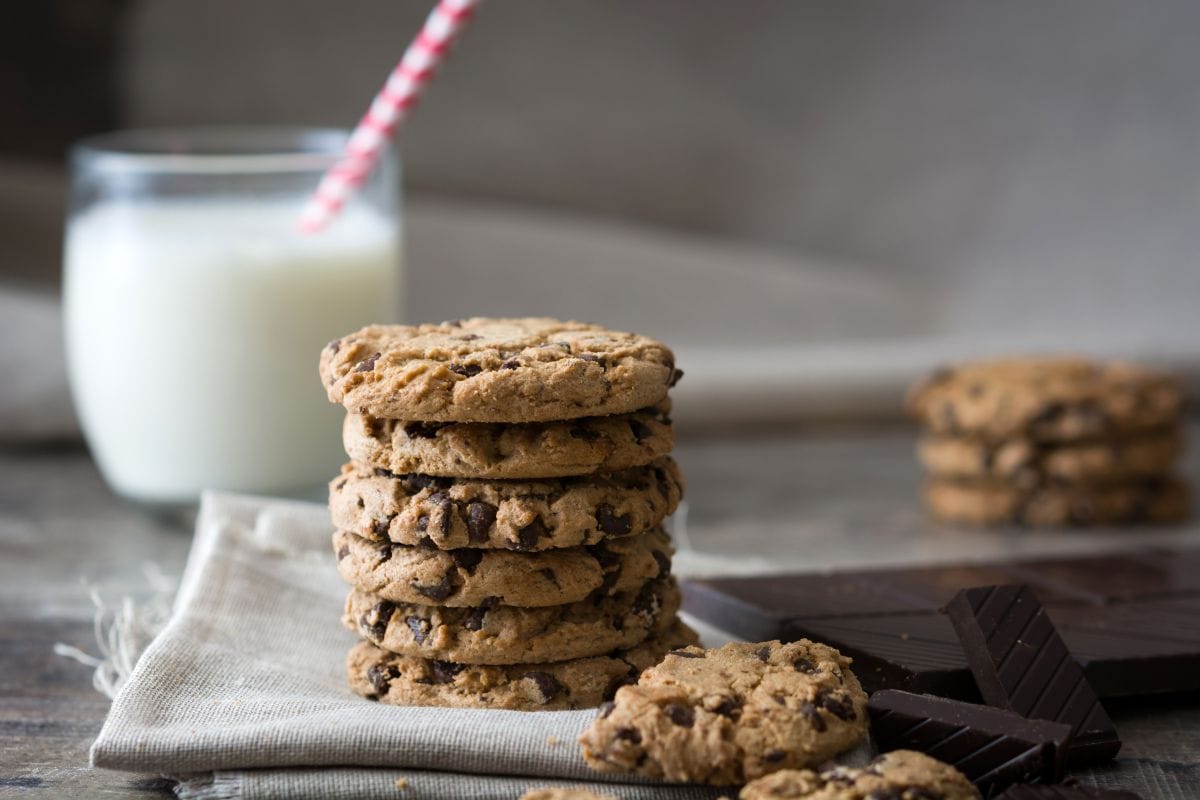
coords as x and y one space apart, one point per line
935 178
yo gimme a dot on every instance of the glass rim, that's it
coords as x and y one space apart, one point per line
211 149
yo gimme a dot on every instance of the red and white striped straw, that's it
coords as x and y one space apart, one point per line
388 111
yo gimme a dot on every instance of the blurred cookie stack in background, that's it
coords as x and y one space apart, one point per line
500 520
1051 442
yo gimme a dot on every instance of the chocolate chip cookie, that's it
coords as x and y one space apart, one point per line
1046 400
515 515
1160 501
1027 463
898 775
494 634
495 370
493 450
468 577
729 715
581 683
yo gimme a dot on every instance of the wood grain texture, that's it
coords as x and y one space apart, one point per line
794 499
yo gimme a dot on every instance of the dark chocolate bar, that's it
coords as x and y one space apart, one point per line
1066 792
1131 620
1022 664
994 748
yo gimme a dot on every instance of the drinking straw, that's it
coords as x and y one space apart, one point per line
387 111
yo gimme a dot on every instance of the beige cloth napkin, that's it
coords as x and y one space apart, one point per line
243 694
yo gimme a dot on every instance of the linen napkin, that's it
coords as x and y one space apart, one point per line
243 694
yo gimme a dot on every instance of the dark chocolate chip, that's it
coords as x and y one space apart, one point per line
443 502
468 337
584 434
683 716
512 363
805 666
527 537
422 523
420 628
640 432
414 482
423 430
367 364
664 486
474 618
663 561
444 671
648 602
380 472
381 526
813 715
841 707
381 677
604 557
630 735
774 756
592 357
605 709
675 376
466 370
375 621
610 523
685 654
467 560
340 485
547 684
549 575
480 516
727 707
763 653
438 591
335 345
342 552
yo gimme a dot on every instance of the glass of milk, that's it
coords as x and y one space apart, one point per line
196 310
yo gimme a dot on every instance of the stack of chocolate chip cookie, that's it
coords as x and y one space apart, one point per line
1051 442
500 520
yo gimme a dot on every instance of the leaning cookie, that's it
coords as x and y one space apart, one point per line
1027 463
517 515
1047 400
1149 501
900 774
498 451
495 370
496 634
581 683
730 715
404 574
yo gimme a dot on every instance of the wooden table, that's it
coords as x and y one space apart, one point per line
803 499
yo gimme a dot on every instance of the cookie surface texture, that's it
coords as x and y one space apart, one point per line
730 715
900 774
1047 400
495 370
524 515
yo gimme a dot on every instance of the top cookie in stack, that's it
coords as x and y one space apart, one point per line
1051 442
500 519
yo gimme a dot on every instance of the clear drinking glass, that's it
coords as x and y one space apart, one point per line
196 309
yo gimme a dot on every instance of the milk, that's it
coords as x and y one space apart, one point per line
193 331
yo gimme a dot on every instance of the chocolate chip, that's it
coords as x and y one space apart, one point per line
814 717
840 707
664 563
610 523
414 482
527 537
466 370
380 472
774 756
380 528
683 716
381 677
443 671
647 603
438 591
763 653
474 618
685 654
805 666
367 364
664 487
584 434
422 523
547 684
727 707
342 552
334 346
423 430
383 551
675 376
512 363
375 621
604 557
630 735
420 628
467 560
605 709
549 575
640 432
468 337
592 357
444 503
340 485
480 516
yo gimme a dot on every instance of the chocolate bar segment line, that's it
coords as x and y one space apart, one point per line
1022 664
994 748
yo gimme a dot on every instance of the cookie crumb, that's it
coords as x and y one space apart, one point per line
402 783
552 740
